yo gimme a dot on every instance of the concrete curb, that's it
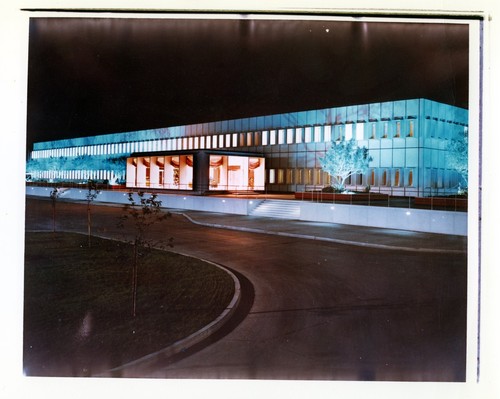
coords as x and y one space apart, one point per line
191 340
327 239
183 344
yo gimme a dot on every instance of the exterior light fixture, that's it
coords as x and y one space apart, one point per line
408 213
332 208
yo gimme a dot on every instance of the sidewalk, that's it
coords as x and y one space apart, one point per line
343 234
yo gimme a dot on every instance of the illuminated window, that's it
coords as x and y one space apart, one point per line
410 178
307 135
298 135
348 131
411 134
250 139
360 131
228 140
340 133
272 176
374 131
196 143
386 130
272 137
289 136
318 177
281 136
327 134
298 176
398 129
289 176
235 139
242 141
281 176
326 178
265 137
208 143
184 143
396 178
384 178
214 141
258 138
317 134
372 177
221 141
308 177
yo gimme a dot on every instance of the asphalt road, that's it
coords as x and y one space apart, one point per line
318 310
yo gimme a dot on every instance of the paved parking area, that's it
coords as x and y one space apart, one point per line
319 309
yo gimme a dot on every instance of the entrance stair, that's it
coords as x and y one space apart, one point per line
282 209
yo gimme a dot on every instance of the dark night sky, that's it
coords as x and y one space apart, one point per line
96 76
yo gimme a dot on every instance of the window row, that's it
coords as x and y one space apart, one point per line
82 175
317 177
312 134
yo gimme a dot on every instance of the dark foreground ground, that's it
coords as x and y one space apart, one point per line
320 310
80 315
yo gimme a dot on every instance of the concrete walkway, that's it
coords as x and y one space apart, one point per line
370 237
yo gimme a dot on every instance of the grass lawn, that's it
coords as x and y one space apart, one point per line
78 303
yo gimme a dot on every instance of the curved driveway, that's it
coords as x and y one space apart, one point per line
321 310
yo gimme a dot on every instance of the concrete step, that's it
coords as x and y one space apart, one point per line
277 209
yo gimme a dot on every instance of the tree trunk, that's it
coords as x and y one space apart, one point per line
53 217
88 223
134 279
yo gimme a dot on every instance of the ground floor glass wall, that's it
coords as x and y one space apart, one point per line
168 172
236 173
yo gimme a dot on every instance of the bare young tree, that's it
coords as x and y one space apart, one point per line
142 213
54 196
343 159
91 195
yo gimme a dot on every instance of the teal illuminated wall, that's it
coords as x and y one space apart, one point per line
407 141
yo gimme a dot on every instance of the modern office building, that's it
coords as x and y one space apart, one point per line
407 141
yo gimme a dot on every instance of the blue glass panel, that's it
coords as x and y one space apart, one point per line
412 108
386 110
260 123
374 111
269 121
225 126
352 113
341 115
301 118
244 125
276 121
399 109
237 125
362 113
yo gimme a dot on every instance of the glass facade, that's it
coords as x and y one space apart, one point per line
406 140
